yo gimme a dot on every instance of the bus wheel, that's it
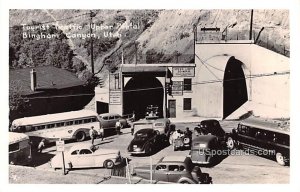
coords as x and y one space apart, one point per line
230 143
80 136
281 160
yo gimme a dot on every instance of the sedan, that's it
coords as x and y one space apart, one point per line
176 169
145 141
85 156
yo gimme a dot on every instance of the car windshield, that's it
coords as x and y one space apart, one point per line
141 135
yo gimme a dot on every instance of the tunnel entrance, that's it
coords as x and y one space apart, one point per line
140 91
235 88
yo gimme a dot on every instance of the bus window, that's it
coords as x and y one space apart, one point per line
283 139
50 125
78 122
70 123
14 147
87 120
93 119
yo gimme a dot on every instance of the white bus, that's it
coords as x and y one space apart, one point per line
68 125
19 149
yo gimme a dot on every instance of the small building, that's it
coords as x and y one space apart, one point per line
228 79
47 90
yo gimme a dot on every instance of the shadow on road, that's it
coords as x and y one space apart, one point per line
40 159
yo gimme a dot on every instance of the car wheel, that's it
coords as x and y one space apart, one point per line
281 159
80 136
109 164
184 182
230 143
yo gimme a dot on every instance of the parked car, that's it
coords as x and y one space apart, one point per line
86 155
162 125
213 127
108 120
207 149
177 169
146 141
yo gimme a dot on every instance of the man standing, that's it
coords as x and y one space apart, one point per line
101 132
93 134
118 127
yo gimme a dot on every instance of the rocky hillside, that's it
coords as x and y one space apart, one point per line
155 35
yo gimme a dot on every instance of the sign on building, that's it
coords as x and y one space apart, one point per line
183 71
115 97
177 88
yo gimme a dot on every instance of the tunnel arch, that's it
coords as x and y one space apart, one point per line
139 92
234 87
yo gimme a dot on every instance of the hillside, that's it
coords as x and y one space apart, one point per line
156 35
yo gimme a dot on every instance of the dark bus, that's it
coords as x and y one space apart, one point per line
264 137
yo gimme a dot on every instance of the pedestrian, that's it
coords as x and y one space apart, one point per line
133 116
101 132
188 133
41 146
93 134
118 127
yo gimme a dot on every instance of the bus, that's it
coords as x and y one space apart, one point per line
19 149
268 137
52 127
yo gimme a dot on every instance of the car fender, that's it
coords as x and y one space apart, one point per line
182 179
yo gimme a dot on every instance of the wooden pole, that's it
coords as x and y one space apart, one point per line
63 160
151 170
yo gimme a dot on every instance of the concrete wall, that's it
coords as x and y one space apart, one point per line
272 90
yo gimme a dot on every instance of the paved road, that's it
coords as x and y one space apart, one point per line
234 169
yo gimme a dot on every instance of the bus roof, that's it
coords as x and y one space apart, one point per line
53 117
17 137
267 124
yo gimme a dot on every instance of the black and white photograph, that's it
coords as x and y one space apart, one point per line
148 96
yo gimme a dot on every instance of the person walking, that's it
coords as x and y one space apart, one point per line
93 134
118 127
41 146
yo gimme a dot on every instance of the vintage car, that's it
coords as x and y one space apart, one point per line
176 169
152 112
146 141
213 127
207 150
86 155
161 125
108 120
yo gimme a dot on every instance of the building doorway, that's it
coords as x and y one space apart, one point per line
172 108
141 91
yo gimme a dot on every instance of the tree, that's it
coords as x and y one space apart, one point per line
17 103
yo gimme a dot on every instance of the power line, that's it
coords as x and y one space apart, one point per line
153 88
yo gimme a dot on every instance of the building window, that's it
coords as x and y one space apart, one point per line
187 104
187 84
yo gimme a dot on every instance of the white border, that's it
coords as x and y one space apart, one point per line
292 5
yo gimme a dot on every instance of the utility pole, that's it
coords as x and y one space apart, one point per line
92 14
251 22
